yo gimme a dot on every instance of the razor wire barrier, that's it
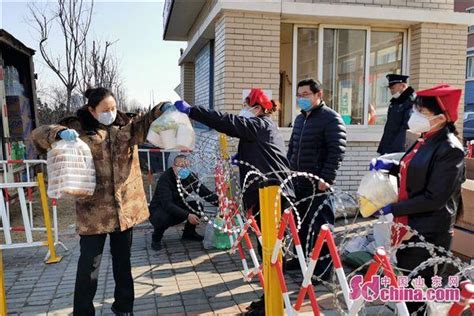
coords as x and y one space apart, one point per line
240 226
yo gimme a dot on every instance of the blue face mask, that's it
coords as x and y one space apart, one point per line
305 104
183 173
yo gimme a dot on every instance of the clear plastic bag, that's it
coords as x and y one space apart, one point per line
208 242
71 170
172 130
376 190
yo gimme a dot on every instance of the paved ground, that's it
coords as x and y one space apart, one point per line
182 279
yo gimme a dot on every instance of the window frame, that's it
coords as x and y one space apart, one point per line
470 28
319 69
470 56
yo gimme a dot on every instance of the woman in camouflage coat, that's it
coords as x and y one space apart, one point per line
119 200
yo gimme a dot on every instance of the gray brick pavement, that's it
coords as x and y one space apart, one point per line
182 279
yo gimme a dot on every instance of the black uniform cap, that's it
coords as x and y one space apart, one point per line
396 78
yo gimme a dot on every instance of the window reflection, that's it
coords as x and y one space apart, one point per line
343 72
386 49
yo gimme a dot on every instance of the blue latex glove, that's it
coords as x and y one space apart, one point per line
69 135
387 209
234 157
381 164
182 106
166 106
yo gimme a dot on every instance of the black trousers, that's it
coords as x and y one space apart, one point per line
410 258
161 221
325 216
92 247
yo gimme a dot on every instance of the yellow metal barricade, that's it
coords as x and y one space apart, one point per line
47 221
3 298
268 194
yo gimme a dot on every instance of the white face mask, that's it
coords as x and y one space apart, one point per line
107 118
396 95
247 112
419 123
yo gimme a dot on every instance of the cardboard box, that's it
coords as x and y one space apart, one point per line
466 217
469 168
462 242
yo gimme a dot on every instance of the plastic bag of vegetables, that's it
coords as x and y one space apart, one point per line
172 130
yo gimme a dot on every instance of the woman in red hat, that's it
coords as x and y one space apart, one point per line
430 177
260 145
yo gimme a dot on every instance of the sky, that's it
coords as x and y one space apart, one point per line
147 63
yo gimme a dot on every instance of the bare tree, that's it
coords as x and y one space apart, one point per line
120 96
98 67
134 106
51 105
74 19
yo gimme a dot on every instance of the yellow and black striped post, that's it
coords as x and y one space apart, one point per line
47 221
268 193
224 148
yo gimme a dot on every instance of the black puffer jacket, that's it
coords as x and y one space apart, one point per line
434 179
261 145
318 143
394 133
167 198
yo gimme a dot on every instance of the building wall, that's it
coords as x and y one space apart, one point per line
247 54
417 4
187 82
210 4
462 5
202 80
438 55
469 97
470 40
355 164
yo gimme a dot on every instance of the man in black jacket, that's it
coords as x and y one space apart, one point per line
399 111
317 145
167 208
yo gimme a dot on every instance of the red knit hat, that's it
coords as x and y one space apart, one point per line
257 96
448 98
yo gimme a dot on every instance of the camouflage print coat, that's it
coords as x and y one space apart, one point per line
119 200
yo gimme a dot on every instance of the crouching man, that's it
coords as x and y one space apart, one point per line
167 208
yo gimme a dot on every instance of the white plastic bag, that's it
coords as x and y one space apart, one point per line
71 170
376 190
208 242
383 231
174 129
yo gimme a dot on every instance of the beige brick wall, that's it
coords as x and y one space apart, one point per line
187 82
355 164
447 5
438 55
247 54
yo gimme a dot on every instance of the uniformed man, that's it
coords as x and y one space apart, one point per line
399 111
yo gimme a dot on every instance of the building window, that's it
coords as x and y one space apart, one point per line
307 55
470 68
351 66
471 28
386 52
343 72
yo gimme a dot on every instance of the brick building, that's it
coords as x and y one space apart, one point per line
468 7
349 45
